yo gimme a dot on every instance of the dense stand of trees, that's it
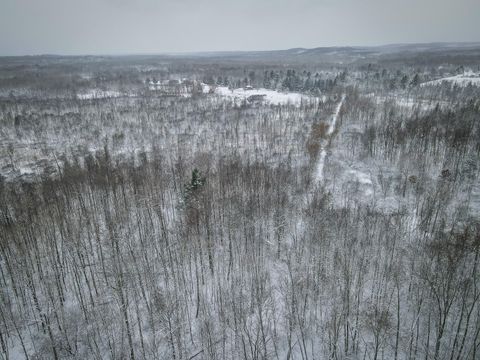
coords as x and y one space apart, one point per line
192 228
118 261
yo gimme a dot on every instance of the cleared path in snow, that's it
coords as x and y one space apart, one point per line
318 172
318 176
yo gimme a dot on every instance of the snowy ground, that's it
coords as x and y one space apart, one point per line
269 96
408 102
98 94
462 80
318 176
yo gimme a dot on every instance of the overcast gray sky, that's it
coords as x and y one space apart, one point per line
155 26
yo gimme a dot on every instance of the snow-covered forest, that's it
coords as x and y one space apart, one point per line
301 204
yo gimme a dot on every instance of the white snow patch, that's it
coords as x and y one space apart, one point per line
320 165
206 88
270 96
360 177
364 181
407 102
462 80
98 94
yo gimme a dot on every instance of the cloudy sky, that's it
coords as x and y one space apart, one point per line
156 26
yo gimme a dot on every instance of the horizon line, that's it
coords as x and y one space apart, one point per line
213 52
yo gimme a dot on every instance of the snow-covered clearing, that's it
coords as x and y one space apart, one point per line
269 96
206 89
408 102
98 94
461 80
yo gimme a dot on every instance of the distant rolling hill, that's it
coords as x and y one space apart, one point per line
434 52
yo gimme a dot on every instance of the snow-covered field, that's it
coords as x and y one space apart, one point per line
407 102
269 96
98 94
461 80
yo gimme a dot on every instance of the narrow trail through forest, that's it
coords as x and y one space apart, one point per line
318 176
283 269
